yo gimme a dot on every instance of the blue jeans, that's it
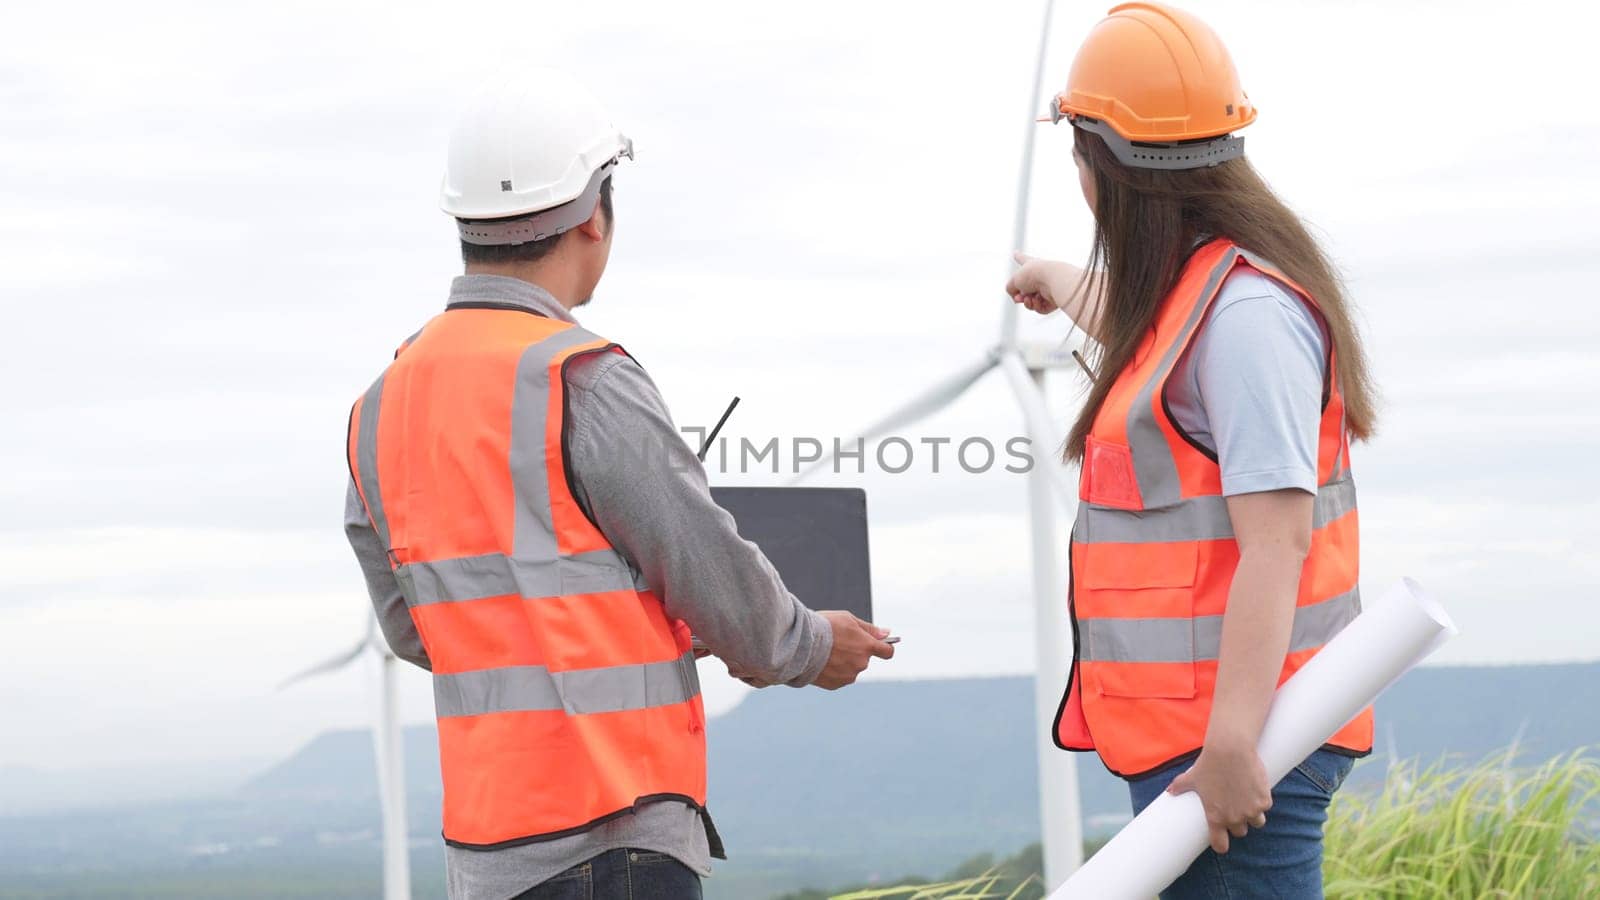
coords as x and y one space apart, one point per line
625 874
1282 860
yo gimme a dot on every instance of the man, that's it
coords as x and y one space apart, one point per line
517 544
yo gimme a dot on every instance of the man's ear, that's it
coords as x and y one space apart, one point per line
594 228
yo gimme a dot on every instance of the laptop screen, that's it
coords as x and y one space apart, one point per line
815 537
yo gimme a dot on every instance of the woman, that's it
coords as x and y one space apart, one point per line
1216 546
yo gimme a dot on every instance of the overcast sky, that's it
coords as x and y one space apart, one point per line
216 222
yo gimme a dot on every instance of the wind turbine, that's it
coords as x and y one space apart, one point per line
386 743
1025 366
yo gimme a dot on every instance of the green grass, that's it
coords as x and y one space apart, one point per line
984 887
1014 878
1489 831
1493 830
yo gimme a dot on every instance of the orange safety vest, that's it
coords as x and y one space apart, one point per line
1153 554
566 695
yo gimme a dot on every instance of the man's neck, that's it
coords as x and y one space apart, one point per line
542 276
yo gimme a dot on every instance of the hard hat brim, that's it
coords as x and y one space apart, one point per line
527 228
1165 155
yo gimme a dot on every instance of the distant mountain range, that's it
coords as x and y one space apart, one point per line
880 780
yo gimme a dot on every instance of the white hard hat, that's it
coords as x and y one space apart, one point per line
533 143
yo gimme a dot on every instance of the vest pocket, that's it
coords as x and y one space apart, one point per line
1136 607
1108 477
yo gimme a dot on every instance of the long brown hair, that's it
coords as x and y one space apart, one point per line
1149 221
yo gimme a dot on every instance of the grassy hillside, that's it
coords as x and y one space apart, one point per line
809 788
1491 830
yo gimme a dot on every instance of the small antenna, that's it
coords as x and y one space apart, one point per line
716 429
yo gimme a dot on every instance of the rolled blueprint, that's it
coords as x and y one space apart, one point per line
1333 687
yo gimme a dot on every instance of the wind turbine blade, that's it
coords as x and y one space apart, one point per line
331 665
1041 428
1019 227
926 404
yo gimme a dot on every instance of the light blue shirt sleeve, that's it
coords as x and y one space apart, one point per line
1249 387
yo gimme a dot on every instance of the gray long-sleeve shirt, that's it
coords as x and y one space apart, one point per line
663 522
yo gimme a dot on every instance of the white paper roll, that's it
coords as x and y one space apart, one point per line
1333 687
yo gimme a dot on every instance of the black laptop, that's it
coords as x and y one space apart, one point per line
816 537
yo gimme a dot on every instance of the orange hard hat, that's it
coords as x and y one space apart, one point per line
1159 86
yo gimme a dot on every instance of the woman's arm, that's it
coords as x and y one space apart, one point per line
1045 285
1273 529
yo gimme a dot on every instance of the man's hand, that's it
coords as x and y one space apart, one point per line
1233 788
855 643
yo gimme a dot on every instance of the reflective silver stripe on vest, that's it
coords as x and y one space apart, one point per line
498 575
536 569
577 692
1195 519
1339 468
535 537
1200 639
1153 464
367 461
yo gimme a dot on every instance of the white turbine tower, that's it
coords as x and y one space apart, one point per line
1025 367
386 743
